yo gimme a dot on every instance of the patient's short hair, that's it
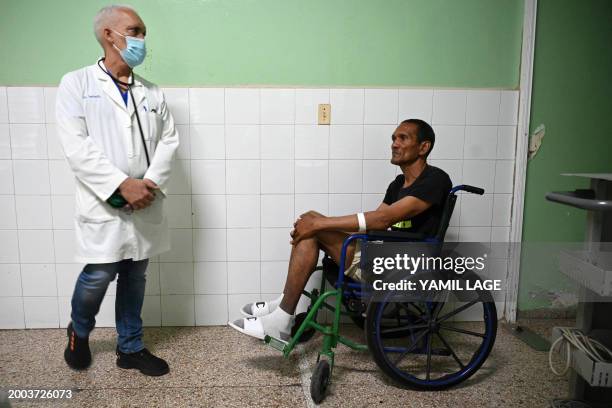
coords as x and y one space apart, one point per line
425 132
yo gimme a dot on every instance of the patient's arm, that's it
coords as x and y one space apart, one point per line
382 218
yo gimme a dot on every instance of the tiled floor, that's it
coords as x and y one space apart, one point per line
216 366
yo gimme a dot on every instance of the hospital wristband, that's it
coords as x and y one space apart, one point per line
362 222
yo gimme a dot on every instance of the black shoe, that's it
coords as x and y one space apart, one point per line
77 354
144 361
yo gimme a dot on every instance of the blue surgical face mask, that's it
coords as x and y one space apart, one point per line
134 52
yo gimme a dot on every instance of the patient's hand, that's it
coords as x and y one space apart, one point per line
305 226
311 213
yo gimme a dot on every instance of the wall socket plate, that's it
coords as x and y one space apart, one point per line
324 113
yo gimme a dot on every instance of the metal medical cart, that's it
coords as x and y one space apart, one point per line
592 268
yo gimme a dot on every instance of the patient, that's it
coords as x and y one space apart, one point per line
414 202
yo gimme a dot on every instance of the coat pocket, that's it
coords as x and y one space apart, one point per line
89 208
155 126
155 123
153 214
99 239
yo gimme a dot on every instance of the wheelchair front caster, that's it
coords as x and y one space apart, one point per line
319 381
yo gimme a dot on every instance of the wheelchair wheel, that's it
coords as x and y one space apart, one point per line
306 334
436 345
319 381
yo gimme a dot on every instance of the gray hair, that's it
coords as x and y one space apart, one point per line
105 16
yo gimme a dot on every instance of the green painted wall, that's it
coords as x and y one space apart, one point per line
572 93
446 43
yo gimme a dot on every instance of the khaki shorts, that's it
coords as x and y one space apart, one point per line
354 271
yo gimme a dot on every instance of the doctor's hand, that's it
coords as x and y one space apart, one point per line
136 193
151 185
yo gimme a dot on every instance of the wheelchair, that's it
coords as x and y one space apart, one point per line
422 345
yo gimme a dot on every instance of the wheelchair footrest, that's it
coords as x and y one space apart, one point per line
276 343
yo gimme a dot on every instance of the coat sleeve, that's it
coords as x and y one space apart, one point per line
88 162
161 163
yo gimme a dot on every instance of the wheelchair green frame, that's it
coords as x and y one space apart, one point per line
331 334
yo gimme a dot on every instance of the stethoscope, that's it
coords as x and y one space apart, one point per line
116 200
129 85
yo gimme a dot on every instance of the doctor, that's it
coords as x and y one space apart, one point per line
119 139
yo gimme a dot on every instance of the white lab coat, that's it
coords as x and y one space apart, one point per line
102 143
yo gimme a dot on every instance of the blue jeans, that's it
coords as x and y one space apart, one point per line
90 290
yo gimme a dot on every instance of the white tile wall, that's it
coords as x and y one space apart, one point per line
153 279
415 104
250 161
206 106
242 142
64 241
10 280
277 210
7 181
277 176
40 312
277 142
210 278
307 104
178 310
242 106
346 142
28 141
206 141
377 141
3 105
8 217
211 310
278 106
243 177
381 106
5 141
311 142
176 278
243 277
33 212
12 316
482 107
450 142
50 94
243 244
26 105
210 244
151 311
243 211
449 107
348 106
38 280
209 211
184 150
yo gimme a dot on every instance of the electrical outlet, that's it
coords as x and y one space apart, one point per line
324 113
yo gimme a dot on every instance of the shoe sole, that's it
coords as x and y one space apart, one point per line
259 336
127 366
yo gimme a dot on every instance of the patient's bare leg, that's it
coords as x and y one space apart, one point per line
303 260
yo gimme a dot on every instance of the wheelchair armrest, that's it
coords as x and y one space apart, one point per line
396 236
